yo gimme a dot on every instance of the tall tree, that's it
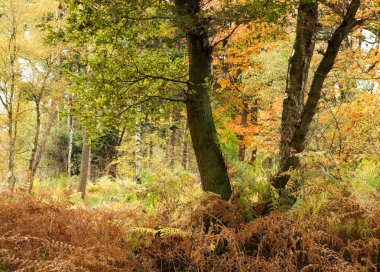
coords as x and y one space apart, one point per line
299 65
11 37
297 117
211 164
205 24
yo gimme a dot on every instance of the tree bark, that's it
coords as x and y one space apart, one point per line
254 121
185 146
138 157
296 144
243 123
299 65
41 148
29 174
173 138
12 131
85 160
70 125
10 174
112 167
211 164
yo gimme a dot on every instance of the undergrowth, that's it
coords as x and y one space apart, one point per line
333 226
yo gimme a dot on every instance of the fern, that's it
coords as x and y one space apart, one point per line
173 231
160 232
140 230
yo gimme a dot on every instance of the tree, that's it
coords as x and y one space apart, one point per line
24 59
298 69
84 165
40 88
298 116
211 164
141 82
11 37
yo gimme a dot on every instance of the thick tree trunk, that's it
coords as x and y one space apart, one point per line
85 160
211 164
298 136
243 123
299 65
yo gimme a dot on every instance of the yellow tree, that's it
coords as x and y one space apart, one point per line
21 50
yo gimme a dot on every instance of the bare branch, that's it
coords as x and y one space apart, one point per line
225 39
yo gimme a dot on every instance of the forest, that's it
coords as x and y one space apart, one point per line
190 135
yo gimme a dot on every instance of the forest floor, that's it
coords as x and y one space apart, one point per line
38 236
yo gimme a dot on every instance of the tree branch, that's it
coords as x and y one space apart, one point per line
225 39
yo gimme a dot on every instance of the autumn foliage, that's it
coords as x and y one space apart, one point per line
341 236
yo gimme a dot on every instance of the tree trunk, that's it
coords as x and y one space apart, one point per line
254 121
243 124
70 124
89 164
85 160
299 65
173 139
12 131
28 181
112 167
13 138
138 157
10 175
295 142
185 146
150 148
211 164
40 149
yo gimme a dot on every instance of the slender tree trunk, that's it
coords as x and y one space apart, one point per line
41 149
138 157
28 181
10 174
173 139
112 168
185 146
168 139
12 131
150 148
254 121
293 139
211 164
70 124
84 166
243 124
89 164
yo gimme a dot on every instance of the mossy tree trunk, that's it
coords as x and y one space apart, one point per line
211 164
